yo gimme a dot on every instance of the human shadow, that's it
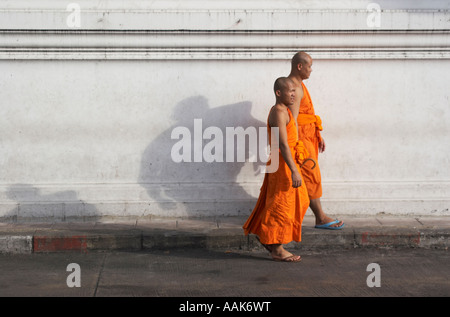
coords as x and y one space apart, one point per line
183 188
33 205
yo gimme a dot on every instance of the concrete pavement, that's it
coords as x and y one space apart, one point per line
216 232
168 279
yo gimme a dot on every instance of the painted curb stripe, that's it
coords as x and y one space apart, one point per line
52 244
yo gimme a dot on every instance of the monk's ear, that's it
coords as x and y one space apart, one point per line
278 93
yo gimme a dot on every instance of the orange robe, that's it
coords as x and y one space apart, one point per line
309 127
278 215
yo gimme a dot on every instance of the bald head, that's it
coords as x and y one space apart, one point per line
284 91
301 65
282 83
300 58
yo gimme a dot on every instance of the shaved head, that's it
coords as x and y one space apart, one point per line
284 89
300 58
301 66
282 83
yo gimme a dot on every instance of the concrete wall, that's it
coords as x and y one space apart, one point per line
92 91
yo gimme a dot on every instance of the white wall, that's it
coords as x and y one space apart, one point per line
87 112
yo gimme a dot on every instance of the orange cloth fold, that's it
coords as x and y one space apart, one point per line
301 153
278 215
304 118
309 127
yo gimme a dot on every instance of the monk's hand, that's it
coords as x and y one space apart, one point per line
321 145
296 179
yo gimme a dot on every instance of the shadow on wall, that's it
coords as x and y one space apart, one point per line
59 206
193 187
198 185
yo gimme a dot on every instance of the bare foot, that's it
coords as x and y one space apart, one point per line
280 254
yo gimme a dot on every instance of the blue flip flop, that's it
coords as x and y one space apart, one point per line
329 224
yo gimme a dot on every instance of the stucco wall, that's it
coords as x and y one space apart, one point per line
89 104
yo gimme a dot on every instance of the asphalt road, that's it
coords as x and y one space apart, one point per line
229 274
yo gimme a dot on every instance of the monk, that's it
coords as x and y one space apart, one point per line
283 200
309 127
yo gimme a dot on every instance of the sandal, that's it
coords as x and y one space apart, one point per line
329 225
291 258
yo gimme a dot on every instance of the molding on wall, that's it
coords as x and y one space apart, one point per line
205 30
232 45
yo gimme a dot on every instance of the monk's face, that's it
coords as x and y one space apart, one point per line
306 68
287 93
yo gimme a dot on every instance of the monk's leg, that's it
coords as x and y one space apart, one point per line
321 217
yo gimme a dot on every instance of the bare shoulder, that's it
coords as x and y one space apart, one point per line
278 115
298 93
295 107
298 88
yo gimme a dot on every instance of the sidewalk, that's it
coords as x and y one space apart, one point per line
218 233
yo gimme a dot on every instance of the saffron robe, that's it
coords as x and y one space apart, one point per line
278 215
309 127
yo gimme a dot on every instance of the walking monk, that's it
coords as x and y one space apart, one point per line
283 200
309 127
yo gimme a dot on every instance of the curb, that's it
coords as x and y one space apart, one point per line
16 244
375 238
158 239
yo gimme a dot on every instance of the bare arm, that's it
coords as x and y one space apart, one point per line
280 119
